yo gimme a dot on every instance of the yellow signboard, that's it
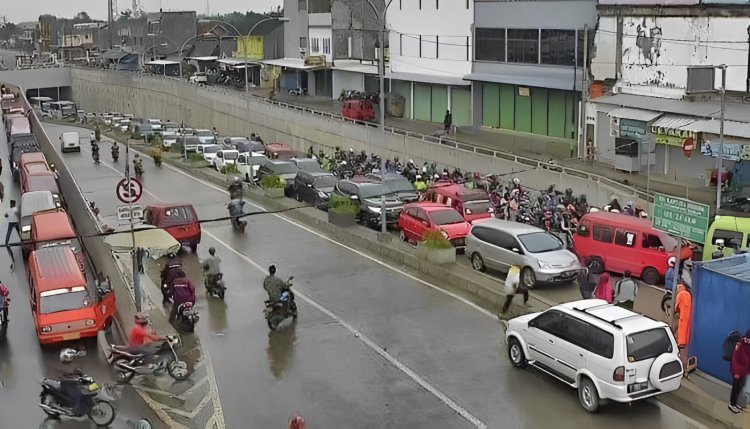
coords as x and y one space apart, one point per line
315 61
250 47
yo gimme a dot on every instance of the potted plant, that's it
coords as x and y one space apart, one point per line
273 186
436 248
342 211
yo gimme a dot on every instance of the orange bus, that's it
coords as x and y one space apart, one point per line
64 303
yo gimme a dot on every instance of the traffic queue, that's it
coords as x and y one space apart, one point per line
67 300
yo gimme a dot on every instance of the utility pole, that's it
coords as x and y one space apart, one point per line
136 262
110 23
720 155
584 94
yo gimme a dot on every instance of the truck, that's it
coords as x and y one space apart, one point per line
70 142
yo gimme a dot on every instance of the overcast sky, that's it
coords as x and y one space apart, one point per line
29 10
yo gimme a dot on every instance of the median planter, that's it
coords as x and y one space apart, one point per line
342 211
341 219
436 249
273 186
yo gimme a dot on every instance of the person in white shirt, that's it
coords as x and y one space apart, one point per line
513 286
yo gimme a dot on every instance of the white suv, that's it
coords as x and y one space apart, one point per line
606 352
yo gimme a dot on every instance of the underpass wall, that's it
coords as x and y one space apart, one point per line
234 113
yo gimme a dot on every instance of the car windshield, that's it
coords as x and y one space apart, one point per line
399 185
540 242
325 182
65 300
479 206
204 133
180 215
374 190
231 155
308 165
257 160
648 344
446 217
284 168
211 149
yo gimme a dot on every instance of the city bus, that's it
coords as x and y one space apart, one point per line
38 103
62 109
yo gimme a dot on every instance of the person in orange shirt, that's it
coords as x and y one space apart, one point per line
683 310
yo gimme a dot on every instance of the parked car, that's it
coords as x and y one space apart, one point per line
244 145
399 184
542 257
605 351
473 204
179 220
199 77
206 136
249 164
190 143
282 151
308 164
618 242
209 152
155 124
369 195
224 157
33 202
70 142
286 169
358 110
418 218
314 188
168 139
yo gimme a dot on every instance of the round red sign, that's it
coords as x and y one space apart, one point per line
688 146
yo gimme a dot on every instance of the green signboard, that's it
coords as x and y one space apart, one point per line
681 217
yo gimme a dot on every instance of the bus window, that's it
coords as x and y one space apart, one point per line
731 238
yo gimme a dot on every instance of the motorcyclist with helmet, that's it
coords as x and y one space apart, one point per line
235 189
168 275
115 151
140 334
212 266
183 291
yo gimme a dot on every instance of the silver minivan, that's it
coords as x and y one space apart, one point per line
542 257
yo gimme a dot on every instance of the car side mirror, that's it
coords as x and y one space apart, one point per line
33 307
354 197
516 250
309 185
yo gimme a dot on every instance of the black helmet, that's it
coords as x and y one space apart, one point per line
211 251
272 269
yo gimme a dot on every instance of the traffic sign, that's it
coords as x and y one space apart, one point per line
681 217
129 190
125 213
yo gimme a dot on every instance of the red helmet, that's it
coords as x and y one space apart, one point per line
297 421
4 291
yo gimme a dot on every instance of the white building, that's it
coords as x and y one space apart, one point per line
651 65
430 53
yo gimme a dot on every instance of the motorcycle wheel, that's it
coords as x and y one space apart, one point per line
220 293
48 400
274 320
122 375
178 370
102 413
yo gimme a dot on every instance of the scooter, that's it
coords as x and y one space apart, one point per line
138 168
149 359
284 308
76 397
235 211
215 287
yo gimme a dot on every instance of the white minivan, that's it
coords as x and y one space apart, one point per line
70 142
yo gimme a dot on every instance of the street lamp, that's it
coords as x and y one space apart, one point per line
247 40
381 75
182 48
720 155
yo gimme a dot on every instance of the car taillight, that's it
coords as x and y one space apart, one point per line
619 374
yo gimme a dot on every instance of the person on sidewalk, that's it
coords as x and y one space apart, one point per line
625 290
448 121
513 286
604 288
740 368
669 277
683 308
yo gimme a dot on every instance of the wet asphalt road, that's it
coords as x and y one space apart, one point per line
22 360
373 347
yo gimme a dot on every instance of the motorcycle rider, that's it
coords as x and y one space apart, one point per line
235 210
273 285
115 151
140 334
169 275
183 290
138 164
419 184
235 189
212 263
95 151
4 301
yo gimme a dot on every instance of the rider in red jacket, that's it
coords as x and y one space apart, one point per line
183 290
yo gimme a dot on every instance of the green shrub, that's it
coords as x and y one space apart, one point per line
230 169
343 205
436 240
177 147
195 157
273 182
136 133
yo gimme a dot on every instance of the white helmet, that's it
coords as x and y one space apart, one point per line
343 162
67 355
671 261
516 181
351 149
437 176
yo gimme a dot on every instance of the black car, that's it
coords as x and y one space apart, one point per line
286 169
369 194
314 188
399 184
308 164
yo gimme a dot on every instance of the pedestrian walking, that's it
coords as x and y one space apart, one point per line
513 286
2 191
448 121
604 288
12 216
740 368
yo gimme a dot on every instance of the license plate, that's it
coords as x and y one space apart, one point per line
637 387
93 387
72 336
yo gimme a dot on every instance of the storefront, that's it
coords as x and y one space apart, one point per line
634 149
428 101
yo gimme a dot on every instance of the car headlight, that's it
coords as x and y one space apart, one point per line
374 209
445 234
544 264
90 322
46 329
26 228
322 194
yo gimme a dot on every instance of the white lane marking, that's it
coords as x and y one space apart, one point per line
445 399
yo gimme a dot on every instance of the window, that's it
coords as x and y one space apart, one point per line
625 238
558 47
490 44
549 321
648 344
651 241
302 5
579 54
523 46
602 233
319 6
600 342
731 238
584 229
540 242
303 43
327 46
314 45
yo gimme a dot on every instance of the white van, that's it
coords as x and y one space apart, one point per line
70 142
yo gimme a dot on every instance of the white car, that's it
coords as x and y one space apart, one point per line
199 77
70 142
209 152
224 157
155 124
605 351
205 136
168 138
106 118
124 125
249 163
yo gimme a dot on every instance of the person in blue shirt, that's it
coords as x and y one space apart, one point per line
669 277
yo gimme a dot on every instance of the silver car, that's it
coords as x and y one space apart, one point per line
542 257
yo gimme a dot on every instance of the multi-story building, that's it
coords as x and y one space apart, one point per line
658 68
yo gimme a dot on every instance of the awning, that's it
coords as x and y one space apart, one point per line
537 80
156 241
425 78
355 66
292 63
731 128
674 122
161 63
115 55
208 58
635 114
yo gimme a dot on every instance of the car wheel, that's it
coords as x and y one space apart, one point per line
651 276
595 265
587 395
528 279
516 355
477 262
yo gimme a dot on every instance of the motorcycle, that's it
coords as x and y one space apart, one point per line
138 168
95 155
235 211
76 397
4 303
149 359
215 286
187 317
284 308
115 154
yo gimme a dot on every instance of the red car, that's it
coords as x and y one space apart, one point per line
179 220
418 218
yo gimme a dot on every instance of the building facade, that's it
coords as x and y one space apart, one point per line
658 67
430 53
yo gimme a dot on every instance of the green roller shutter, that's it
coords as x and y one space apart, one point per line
556 118
523 111
422 103
539 111
461 106
439 102
507 106
491 104
403 88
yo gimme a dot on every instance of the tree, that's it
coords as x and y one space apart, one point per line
243 22
82 17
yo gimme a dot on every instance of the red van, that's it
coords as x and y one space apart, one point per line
32 164
180 221
472 204
617 242
358 110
